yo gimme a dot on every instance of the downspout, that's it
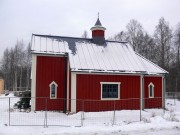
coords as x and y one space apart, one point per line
163 91
142 92
65 83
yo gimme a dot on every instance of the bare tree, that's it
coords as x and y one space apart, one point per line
177 43
5 67
148 48
27 62
177 57
163 36
135 34
12 66
121 36
85 34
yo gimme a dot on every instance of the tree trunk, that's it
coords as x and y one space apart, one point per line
15 81
27 79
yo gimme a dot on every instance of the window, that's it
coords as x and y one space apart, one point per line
53 90
151 90
110 90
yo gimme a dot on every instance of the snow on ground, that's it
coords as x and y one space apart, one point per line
127 122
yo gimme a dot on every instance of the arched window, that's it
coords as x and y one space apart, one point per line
151 90
53 90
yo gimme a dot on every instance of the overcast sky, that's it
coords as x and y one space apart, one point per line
20 18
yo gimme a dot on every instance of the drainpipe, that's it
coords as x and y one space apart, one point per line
163 91
142 92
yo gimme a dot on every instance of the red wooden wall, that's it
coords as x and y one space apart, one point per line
155 102
89 87
97 33
49 69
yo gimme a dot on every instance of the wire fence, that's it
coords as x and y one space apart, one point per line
55 112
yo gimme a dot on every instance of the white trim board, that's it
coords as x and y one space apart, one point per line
33 83
104 73
73 92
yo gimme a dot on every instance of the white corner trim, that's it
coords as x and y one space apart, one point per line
33 83
119 83
56 85
73 92
151 84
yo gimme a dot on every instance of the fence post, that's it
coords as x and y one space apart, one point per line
174 99
114 112
46 113
83 109
140 110
164 108
9 110
82 113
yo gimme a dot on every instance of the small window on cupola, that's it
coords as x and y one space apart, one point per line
53 90
151 90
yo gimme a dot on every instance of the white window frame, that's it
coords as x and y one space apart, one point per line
119 83
151 84
53 82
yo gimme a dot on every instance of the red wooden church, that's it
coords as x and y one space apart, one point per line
92 69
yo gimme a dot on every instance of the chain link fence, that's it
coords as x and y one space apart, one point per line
89 112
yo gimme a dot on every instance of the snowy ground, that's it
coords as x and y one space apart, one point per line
154 121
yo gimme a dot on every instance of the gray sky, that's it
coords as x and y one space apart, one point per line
20 18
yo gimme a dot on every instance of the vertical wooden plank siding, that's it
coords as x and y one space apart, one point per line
155 102
89 87
97 33
49 69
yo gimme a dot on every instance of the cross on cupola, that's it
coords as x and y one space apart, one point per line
98 32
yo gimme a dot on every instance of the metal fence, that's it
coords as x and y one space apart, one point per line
50 112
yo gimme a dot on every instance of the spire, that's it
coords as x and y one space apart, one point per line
98 23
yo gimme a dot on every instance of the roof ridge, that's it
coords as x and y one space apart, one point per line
54 36
40 35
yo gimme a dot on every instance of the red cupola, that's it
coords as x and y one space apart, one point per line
98 33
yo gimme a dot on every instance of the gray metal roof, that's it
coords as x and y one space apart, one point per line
84 55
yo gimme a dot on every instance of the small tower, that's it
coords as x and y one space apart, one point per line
98 33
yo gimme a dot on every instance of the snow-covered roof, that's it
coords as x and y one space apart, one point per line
84 55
